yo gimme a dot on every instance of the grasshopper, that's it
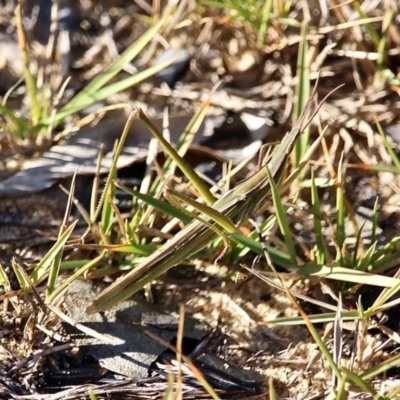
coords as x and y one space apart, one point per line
236 204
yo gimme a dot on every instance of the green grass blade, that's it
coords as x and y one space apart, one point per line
322 346
141 250
213 214
86 99
386 252
107 211
204 221
342 390
273 394
278 257
92 396
348 275
265 18
382 299
282 219
42 268
302 92
21 277
316 207
127 56
96 90
380 369
30 81
113 169
54 272
315 319
383 40
73 264
87 267
340 213
183 143
17 125
373 34
180 162
365 263
360 382
160 205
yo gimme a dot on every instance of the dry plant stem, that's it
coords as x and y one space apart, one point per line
195 371
89 331
179 350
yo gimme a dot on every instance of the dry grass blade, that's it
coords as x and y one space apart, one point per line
89 331
195 371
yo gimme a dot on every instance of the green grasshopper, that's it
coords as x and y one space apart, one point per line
236 205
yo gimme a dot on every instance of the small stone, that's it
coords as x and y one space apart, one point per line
132 351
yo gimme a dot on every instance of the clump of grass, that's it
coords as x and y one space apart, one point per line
46 115
224 230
